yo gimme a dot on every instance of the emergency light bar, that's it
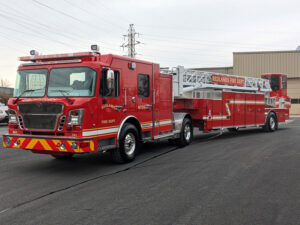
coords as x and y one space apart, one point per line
58 56
52 62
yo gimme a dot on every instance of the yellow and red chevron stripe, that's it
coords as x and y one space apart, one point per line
42 144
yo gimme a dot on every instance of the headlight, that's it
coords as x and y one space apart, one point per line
12 116
75 117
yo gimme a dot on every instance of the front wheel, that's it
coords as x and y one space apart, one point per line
271 123
186 134
128 145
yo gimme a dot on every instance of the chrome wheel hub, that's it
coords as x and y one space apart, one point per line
272 123
129 144
187 132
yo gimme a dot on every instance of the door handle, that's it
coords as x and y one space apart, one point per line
148 107
118 108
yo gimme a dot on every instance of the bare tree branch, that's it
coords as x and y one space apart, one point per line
4 82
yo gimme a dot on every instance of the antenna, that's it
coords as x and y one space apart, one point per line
131 42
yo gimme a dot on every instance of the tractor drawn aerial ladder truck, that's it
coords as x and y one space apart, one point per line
87 102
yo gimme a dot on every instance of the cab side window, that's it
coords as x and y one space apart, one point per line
275 83
110 83
143 86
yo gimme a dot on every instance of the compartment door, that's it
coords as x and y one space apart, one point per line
260 109
228 109
217 106
165 103
250 109
239 109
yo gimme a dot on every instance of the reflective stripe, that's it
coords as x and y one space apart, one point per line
113 130
97 132
146 125
240 126
214 117
248 102
165 122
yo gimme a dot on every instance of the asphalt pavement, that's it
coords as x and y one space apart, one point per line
250 177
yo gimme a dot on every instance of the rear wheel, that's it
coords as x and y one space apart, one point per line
271 123
128 145
63 156
233 130
186 134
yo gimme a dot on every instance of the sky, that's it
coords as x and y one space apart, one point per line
192 33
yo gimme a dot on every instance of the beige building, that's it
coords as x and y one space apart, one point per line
256 63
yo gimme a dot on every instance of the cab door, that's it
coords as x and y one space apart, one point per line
144 99
110 102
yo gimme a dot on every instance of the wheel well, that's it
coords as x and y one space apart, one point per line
274 114
135 122
189 117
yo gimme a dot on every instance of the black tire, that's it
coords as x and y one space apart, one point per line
271 123
128 145
186 133
65 156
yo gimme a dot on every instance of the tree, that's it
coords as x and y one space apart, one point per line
4 82
4 96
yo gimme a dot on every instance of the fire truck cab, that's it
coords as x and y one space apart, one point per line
88 102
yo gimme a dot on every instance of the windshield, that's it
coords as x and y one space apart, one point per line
30 83
73 81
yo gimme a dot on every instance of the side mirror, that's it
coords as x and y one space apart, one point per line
110 78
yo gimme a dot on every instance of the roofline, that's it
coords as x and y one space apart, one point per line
268 52
204 68
130 59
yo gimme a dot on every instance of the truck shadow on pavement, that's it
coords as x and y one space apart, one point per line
93 162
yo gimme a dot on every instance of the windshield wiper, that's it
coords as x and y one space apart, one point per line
29 90
66 97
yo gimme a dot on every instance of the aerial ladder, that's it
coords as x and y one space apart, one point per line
188 80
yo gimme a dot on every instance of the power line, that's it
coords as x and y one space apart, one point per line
117 14
67 15
37 24
58 11
193 41
89 13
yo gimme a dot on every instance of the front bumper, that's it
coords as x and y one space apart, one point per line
49 144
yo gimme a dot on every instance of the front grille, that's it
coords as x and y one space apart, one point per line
40 108
40 122
21 122
40 115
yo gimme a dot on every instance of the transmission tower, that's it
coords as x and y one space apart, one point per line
130 41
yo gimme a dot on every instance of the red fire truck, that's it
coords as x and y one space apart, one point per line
88 102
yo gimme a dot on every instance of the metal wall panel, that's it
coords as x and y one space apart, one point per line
257 63
226 70
294 88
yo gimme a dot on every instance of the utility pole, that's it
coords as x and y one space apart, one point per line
131 42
